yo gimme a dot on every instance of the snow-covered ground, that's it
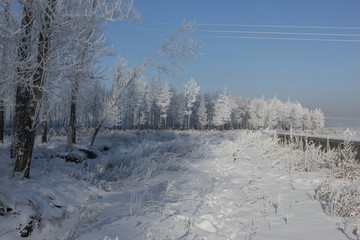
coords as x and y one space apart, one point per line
166 185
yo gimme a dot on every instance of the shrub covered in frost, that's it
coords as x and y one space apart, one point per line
342 198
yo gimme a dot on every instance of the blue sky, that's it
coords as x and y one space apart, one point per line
246 59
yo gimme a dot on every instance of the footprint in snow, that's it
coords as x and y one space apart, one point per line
207 226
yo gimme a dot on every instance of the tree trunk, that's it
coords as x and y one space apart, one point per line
24 135
2 120
22 143
4 63
71 139
96 131
188 121
44 131
29 88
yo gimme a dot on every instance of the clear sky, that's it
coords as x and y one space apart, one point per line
253 61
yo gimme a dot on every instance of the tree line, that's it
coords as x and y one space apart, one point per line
158 105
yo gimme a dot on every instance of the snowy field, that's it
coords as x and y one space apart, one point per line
170 185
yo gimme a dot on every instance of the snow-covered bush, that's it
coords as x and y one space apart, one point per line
347 165
341 198
309 160
267 143
86 216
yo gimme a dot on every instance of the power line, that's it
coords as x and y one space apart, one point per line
283 33
157 29
264 26
350 118
273 38
244 37
253 32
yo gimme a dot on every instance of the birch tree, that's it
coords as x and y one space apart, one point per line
257 112
202 118
163 102
222 110
192 91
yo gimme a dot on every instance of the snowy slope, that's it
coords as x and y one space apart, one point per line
168 185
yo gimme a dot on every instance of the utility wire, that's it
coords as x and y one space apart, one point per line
253 32
233 32
244 37
263 26
273 38
283 33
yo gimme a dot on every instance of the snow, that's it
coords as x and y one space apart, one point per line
166 185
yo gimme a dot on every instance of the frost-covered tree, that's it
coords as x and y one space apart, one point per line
163 102
177 110
238 113
286 120
192 91
318 118
140 105
6 48
307 121
273 109
87 45
222 110
37 26
296 116
43 39
90 104
257 113
201 113
210 99
131 103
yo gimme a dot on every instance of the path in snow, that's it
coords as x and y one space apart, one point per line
251 198
228 193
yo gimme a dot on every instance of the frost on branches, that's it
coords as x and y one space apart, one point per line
192 91
163 102
222 110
